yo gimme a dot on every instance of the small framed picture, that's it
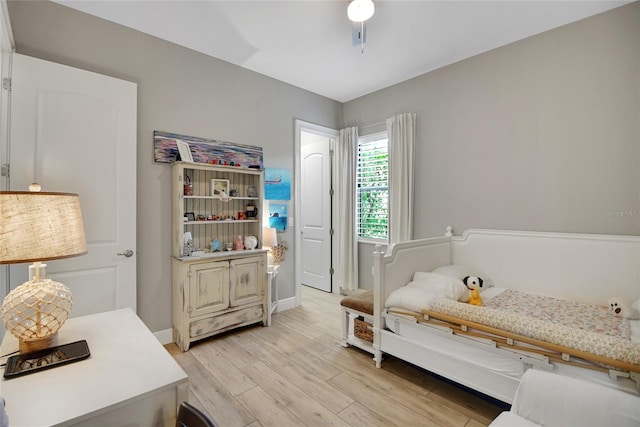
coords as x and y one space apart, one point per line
220 186
190 216
185 151
278 216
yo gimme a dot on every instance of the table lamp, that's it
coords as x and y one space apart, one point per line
34 227
269 240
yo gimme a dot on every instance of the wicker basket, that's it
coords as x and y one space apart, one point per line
362 329
278 251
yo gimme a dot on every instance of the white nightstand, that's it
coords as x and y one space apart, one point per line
272 289
129 379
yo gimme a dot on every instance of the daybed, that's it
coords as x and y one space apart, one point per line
587 269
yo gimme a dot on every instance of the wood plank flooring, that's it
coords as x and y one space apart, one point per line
296 373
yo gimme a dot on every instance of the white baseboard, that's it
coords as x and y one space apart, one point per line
286 304
165 337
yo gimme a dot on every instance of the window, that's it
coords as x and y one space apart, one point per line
372 181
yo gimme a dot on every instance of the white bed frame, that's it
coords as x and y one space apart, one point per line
586 268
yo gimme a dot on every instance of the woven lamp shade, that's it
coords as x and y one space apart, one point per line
40 226
37 227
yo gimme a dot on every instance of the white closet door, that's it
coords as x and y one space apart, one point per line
75 131
316 211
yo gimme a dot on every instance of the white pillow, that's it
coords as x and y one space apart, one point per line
445 287
458 271
409 297
418 293
420 276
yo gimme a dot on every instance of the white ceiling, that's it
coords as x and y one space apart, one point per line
308 43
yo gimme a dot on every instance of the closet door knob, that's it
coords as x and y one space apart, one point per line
128 253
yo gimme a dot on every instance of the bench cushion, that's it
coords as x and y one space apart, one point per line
361 301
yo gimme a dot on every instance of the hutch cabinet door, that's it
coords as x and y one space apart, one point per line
247 281
208 287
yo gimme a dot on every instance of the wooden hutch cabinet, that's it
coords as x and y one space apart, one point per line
214 291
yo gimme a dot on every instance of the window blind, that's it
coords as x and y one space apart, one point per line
372 180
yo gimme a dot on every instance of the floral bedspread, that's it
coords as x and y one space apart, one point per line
600 344
587 317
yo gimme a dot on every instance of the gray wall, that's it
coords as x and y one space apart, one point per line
179 91
541 134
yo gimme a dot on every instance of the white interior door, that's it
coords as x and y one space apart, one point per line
315 203
6 47
75 131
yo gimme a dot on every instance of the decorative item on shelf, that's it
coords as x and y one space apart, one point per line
190 216
250 242
269 240
239 244
188 186
251 191
216 245
187 244
233 192
220 187
228 246
250 210
184 151
242 215
34 227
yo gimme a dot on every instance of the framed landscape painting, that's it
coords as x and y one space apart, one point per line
277 184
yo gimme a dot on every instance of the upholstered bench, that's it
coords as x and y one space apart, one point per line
357 320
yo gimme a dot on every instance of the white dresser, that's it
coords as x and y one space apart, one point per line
129 379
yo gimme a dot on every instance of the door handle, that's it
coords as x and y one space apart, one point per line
128 253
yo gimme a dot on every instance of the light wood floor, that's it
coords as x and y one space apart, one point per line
296 373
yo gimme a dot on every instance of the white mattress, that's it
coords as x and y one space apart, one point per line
634 325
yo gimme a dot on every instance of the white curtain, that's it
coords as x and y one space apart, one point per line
346 274
401 131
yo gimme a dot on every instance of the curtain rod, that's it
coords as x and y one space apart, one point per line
384 122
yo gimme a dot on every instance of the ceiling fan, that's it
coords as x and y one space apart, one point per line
359 11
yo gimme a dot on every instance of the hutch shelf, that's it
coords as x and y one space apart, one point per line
216 285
